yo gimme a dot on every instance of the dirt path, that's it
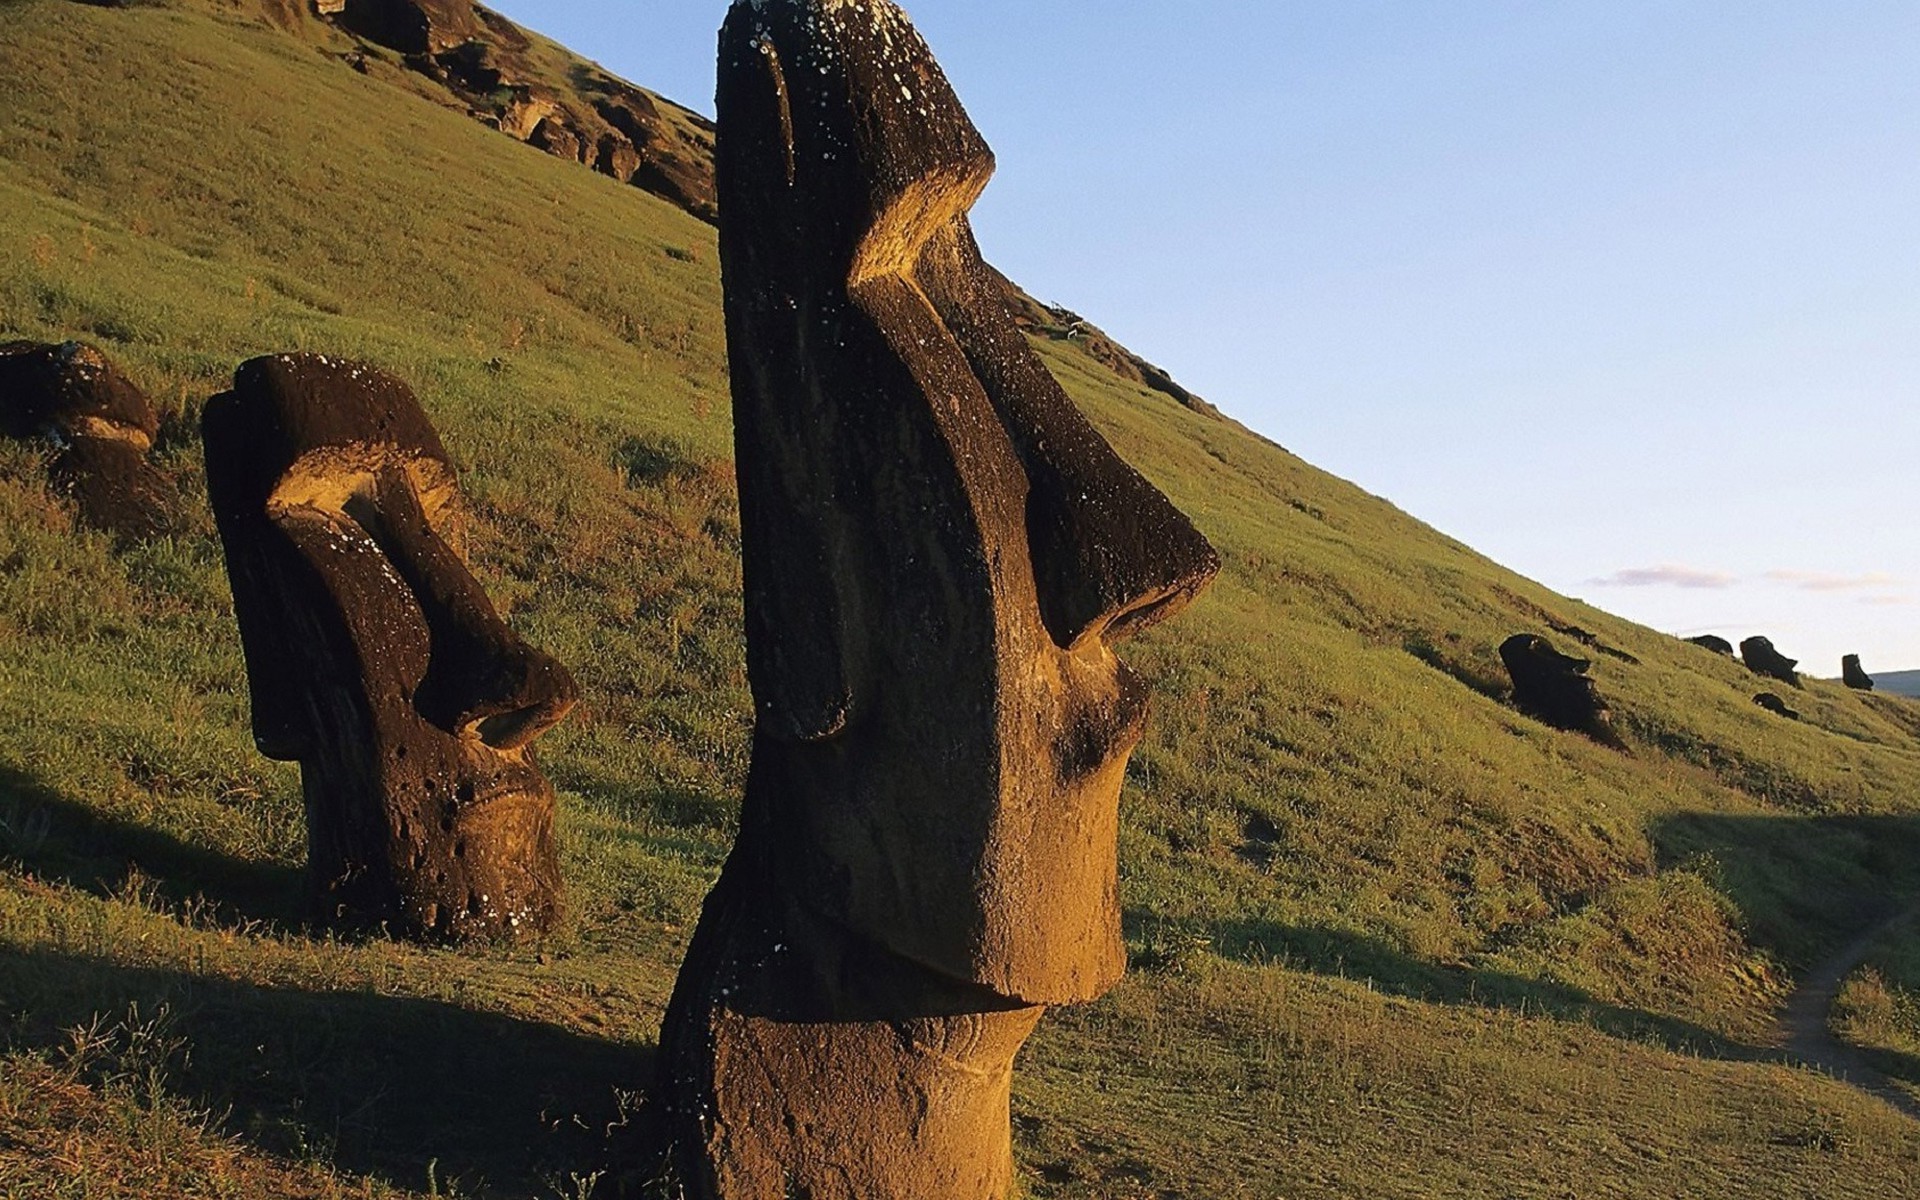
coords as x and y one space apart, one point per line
1803 1031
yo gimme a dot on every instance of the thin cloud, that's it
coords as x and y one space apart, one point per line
1815 581
1667 575
1887 601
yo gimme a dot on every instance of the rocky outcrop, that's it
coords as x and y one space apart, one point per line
592 118
375 660
1554 688
939 556
98 427
1762 659
409 26
1708 641
1776 706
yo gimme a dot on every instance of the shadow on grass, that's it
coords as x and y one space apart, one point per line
1355 957
396 1088
62 840
1804 886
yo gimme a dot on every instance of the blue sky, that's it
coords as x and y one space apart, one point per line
1624 294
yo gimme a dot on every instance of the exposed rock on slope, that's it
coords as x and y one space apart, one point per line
575 112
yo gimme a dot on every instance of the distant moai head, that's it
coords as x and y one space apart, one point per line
1555 688
940 551
375 659
940 555
1854 675
100 426
1762 659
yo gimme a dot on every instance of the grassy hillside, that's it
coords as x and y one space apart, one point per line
1389 936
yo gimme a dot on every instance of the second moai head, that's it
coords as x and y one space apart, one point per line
376 660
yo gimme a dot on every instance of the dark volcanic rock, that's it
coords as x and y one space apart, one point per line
376 661
1775 705
100 427
1854 675
1762 659
1554 687
412 26
1718 645
940 553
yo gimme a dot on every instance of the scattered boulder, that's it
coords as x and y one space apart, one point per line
1776 705
375 660
616 156
1762 659
1708 641
1854 675
1554 688
938 550
557 138
99 426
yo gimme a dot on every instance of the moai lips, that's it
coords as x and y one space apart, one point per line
375 659
100 427
940 555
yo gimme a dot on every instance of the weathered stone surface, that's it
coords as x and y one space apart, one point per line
376 661
99 426
554 136
1775 705
1718 645
412 26
1554 687
1762 659
615 156
1854 675
940 555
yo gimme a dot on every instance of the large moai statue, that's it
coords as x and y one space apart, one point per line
940 556
375 659
99 426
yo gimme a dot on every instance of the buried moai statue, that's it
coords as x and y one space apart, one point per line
100 427
940 554
1713 642
1554 688
1762 659
376 661
1854 675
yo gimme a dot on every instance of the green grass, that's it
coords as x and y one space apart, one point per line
1390 937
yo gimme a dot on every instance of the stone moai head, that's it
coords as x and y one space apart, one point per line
1762 659
1555 688
940 551
101 428
940 555
374 658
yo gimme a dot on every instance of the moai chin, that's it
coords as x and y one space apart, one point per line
376 661
940 554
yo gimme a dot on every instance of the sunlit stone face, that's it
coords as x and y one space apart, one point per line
940 552
375 659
